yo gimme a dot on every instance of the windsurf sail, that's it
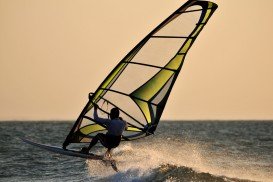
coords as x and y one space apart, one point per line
142 81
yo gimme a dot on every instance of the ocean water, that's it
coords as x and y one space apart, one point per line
179 151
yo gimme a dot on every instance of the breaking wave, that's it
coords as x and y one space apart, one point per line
161 161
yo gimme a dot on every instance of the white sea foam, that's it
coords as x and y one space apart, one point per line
139 160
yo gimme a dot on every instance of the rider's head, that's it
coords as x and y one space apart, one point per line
114 113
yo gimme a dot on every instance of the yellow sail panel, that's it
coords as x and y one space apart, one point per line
148 90
211 4
197 31
133 129
208 12
91 128
145 109
186 46
175 63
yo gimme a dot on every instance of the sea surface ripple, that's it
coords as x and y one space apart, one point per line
215 151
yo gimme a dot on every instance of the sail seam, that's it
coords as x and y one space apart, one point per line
170 37
122 93
150 65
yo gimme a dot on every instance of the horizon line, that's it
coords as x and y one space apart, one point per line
163 120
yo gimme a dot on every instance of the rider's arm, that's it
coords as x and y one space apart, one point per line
98 119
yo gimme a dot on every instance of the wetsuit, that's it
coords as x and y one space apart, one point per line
112 138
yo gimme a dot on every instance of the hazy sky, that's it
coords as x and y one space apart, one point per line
54 52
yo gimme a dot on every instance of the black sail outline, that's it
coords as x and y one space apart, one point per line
150 91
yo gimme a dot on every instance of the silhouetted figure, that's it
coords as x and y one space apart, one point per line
115 127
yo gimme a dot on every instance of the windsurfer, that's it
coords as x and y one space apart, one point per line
115 127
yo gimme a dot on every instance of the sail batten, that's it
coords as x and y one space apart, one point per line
155 66
132 96
170 37
142 81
